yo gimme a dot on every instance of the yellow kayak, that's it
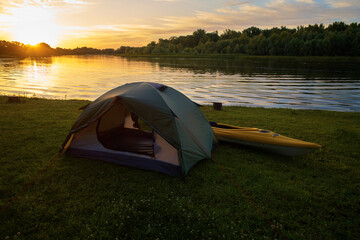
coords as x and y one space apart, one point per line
264 139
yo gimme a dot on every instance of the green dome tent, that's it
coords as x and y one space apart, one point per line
108 129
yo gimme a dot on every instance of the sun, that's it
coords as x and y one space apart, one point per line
33 25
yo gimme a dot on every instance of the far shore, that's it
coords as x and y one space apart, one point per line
240 56
214 56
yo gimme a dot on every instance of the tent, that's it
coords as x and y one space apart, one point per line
108 129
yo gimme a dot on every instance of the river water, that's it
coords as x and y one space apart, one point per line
315 83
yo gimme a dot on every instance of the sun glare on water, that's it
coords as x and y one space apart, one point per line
32 25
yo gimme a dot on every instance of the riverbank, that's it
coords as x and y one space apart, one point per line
245 56
310 197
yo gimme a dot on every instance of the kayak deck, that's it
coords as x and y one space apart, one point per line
264 139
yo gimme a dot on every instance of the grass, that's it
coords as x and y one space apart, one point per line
315 196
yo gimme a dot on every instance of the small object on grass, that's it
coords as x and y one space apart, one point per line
217 105
13 99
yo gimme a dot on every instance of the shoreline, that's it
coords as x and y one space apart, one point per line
4 96
209 56
239 56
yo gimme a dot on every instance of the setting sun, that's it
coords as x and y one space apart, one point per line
33 24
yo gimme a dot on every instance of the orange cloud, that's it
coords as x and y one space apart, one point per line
136 29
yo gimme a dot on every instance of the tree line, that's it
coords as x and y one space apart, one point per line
17 49
337 39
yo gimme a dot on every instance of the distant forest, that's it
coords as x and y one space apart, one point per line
337 39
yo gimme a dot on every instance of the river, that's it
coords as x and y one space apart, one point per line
297 83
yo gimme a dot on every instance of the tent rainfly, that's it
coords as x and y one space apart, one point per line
108 129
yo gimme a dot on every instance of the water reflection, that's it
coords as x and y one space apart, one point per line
307 68
266 82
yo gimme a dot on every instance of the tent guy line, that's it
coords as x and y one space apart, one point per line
13 199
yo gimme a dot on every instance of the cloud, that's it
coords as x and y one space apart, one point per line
76 2
343 4
6 4
236 3
111 36
236 15
58 7
306 1
239 15
232 14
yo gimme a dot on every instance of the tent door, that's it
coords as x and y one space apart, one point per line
117 130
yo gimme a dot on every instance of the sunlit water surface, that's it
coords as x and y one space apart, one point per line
284 83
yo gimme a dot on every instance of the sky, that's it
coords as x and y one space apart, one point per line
115 23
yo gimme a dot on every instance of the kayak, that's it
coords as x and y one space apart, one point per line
263 139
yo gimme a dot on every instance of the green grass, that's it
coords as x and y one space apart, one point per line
305 197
